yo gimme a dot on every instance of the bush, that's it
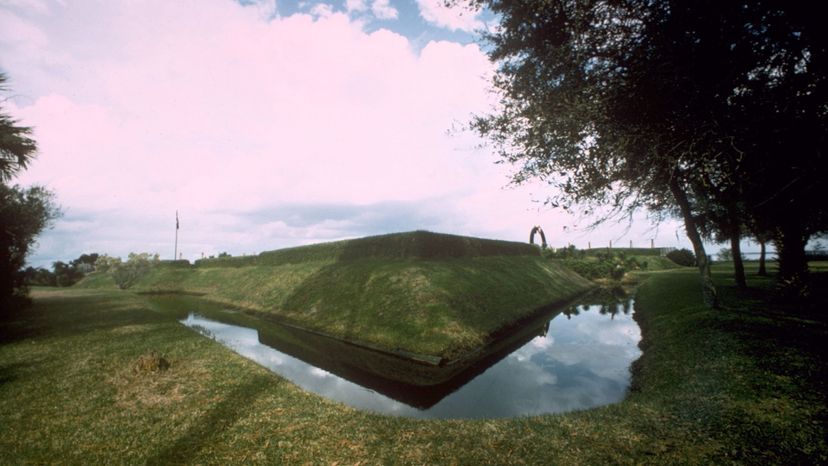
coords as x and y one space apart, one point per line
39 277
598 264
617 273
104 263
138 265
682 257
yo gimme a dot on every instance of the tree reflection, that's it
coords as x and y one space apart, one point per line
610 301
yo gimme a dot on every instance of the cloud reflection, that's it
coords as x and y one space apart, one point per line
583 361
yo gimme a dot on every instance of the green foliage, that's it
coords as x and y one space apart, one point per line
39 277
598 263
711 111
24 213
66 274
136 266
17 148
85 263
62 274
683 257
106 263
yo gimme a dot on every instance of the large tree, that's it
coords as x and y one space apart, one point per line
779 122
24 212
638 104
596 100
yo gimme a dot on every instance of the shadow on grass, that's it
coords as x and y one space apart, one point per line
8 373
209 428
58 314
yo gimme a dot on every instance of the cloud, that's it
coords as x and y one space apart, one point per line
265 131
383 10
322 10
266 9
355 5
453 18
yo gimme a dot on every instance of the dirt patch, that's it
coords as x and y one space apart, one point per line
150 362
149 381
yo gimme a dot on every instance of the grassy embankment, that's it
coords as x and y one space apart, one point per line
424 293
744 384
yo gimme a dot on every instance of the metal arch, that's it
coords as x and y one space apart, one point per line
537 229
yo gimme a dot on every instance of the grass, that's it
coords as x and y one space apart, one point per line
744 384
440 296
409 245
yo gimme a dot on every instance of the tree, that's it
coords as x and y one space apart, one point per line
106 263
136 266
642 104
39 277
66 274
24 213
779 122
16 147
85 263
589 104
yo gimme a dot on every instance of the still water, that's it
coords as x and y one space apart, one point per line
578 358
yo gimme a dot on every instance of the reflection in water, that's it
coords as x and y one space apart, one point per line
579 359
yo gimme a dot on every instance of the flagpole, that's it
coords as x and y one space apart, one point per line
175 254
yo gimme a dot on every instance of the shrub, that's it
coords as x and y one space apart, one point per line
104 263
126 274
682 257
617 273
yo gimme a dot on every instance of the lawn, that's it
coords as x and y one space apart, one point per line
743 384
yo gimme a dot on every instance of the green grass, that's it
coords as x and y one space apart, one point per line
409 245
424 293
744 384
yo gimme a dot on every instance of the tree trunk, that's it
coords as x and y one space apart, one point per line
736 250
738 265
709 293
762 271
790 242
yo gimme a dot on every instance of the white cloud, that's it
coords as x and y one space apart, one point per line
355 5
453 18
203 106
322 9
383 10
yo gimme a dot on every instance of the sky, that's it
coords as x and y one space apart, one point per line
266 124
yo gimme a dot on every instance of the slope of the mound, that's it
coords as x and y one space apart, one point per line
438 295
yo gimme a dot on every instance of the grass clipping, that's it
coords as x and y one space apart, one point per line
147 382
149 363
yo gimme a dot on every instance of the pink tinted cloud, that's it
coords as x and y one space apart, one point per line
207 107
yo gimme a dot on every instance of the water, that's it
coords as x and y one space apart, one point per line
578 358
